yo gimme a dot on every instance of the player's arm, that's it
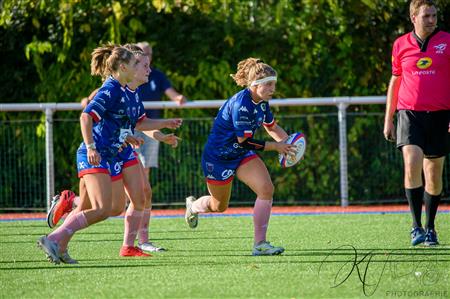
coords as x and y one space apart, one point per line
147 124
251 143
391 105
175 96
170 139
86 123
276 132
85 101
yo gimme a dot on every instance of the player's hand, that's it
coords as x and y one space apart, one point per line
171 140
84 102
94 157
286 149
133 140
173 123
389 131
180 99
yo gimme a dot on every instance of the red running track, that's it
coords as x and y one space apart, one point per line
249 210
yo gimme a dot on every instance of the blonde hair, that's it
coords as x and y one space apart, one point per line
107 58
251 69
135 49
415 5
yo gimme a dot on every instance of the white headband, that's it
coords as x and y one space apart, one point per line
263 80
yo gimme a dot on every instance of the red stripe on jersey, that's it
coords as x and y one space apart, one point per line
270 124
248 134
95 116
247 159
130 163
141 118
92 171
116 177
216 182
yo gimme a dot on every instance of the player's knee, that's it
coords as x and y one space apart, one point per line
116 211
148 193
265 191
102 213
217 206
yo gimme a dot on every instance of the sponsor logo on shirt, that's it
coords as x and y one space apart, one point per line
107 92
210 168
227 173
117 167
424 63
243 109
243 123
440 48
263 106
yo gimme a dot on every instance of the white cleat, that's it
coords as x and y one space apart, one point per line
51 211
50 248
264 248
190 217
151 247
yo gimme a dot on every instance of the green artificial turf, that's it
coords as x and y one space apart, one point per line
327 256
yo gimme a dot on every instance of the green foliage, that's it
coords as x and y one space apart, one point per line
318 47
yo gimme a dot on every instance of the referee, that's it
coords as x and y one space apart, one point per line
419 90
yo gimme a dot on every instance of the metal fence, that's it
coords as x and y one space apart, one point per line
354 170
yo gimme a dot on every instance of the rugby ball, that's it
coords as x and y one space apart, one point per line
297 139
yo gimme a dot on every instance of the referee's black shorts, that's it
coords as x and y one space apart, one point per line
426 129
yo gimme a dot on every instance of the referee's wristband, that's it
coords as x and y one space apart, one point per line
91 146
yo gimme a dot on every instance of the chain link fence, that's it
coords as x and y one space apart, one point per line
375 167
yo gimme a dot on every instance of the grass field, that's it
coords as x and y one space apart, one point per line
366 254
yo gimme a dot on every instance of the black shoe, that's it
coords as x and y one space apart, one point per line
431 238
417 236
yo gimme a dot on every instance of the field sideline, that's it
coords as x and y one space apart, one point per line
332 254
276 211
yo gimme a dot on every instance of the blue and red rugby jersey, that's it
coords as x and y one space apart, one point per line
239 116
113 113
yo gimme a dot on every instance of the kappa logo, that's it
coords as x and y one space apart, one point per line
243 109
153 85
122 100
107 92
424 63
440 48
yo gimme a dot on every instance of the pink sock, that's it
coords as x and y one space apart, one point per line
64 233
143 228
201 205
261 216
132 223
76 202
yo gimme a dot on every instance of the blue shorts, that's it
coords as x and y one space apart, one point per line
221 172
124 159
84 167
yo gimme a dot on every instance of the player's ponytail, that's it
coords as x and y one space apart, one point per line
107 58
251 69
